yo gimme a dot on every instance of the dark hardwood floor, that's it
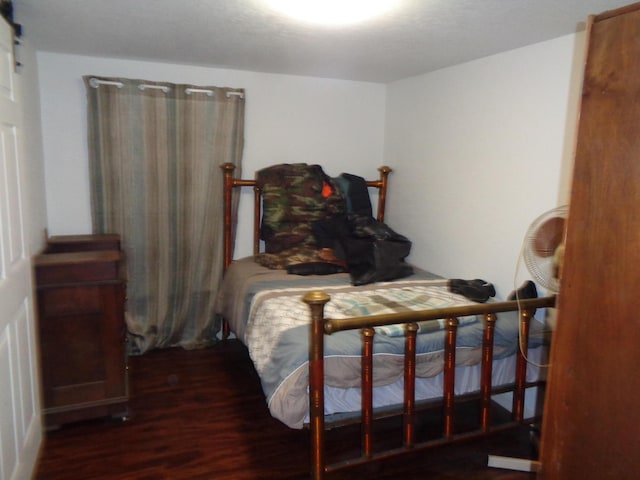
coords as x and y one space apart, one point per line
202 415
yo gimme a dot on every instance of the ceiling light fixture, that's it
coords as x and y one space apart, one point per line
333 12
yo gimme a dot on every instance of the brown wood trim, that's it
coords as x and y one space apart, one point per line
616 12
78 258
591 406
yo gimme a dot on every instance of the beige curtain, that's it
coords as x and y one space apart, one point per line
155 151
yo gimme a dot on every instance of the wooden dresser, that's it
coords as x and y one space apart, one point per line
81 292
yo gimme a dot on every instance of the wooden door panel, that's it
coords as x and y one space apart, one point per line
592 411
21 431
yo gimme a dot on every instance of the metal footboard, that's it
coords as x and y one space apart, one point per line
321 326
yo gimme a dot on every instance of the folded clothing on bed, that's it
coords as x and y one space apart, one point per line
315 268
356 194
372 251
305 210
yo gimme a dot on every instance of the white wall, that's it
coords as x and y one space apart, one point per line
337 124
479 151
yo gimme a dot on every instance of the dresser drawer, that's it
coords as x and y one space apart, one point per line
82 243
78 267
70 300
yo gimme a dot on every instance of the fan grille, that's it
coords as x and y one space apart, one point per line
543 236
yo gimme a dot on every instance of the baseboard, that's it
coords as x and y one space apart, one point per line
510 463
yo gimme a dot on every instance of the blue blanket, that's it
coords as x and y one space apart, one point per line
267 313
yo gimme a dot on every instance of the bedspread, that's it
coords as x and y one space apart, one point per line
266 312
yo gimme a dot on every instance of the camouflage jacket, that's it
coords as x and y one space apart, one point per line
294 197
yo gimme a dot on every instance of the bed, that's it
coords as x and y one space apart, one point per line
330 352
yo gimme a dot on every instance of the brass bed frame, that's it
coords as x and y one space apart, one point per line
320 326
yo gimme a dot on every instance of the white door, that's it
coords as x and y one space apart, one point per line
20 419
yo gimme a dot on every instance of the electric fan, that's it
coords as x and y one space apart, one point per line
543 247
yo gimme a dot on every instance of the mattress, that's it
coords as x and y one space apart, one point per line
265 311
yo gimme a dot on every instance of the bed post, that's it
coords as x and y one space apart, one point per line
316 301
408 424
381 185
382 199
521 365
257 214
227 205
451 329
227 169
229 184
487 370
367 391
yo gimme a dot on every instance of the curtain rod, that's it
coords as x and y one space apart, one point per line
189 91
144 86
95 82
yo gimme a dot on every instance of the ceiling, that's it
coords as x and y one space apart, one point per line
418 37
